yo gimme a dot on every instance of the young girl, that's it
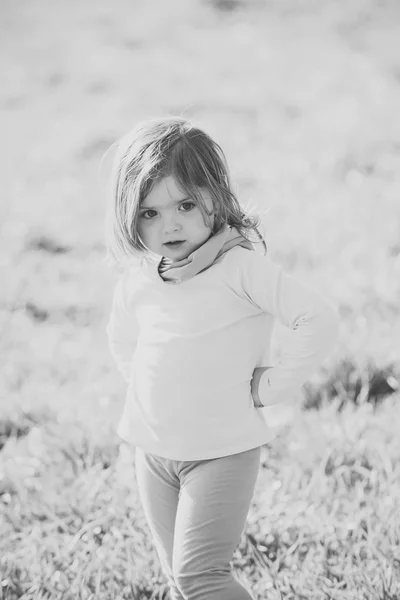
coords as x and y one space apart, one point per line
190 330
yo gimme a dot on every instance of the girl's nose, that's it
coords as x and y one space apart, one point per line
172 224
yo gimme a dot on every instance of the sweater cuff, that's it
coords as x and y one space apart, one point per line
256 384
265 395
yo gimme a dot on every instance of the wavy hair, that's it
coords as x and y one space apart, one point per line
157 148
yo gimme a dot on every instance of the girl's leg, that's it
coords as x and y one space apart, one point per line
212 510
159 490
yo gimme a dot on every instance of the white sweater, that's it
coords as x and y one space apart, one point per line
188 352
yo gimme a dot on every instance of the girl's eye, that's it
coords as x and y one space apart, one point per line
148 211
190 204
188 207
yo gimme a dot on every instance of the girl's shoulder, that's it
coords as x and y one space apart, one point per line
239 259
244 270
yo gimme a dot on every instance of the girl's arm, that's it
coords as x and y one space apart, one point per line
122 330
313 320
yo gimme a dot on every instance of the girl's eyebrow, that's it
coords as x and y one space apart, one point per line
157 207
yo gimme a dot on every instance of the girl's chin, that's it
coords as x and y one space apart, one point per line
176 255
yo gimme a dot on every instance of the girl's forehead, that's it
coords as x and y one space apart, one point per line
164 191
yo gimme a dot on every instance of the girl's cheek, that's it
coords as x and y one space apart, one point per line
146 223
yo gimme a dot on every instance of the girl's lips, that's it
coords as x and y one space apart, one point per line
174 244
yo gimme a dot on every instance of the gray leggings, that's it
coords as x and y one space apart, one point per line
196 512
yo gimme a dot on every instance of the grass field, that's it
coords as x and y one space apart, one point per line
303 96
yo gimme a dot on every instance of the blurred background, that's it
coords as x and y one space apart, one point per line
304 98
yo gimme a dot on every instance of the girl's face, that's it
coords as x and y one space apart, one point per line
169 215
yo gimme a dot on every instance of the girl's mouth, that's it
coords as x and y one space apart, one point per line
176 244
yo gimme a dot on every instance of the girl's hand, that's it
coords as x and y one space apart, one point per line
255 382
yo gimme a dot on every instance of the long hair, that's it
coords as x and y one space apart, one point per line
157 148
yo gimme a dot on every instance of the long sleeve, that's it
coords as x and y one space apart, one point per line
122 329
313 320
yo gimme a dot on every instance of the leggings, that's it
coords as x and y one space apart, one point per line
196 512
